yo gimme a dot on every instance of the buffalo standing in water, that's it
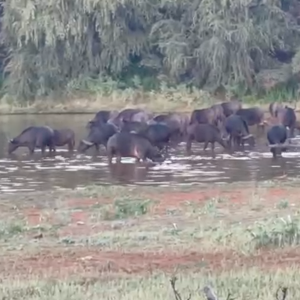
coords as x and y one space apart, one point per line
102 117
287 117
277 136
204 133
33 137
98 135
238 131
124 144
64 137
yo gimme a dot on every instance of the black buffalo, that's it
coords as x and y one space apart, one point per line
142 117
102 117
218 112
125 115
204 133
238 131
253 116
159 135
133 126
277 135
274 107
64 137
124 144
33 137
98 135
287 117
231 107
204 116
177 123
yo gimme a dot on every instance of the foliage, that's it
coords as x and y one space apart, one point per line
52 44
278 232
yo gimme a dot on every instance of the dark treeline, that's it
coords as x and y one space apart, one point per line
46 44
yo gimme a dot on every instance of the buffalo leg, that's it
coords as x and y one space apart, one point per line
52 149
231 142
188 146
70 146
31 149
109 157
205 146
118 159
97 148
43 148
292 129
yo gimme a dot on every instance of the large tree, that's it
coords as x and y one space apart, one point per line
204 42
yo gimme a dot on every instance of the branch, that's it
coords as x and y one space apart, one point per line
177 295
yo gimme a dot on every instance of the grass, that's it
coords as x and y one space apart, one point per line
180 98
242 285
126 243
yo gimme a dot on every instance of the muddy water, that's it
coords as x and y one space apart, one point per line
21 173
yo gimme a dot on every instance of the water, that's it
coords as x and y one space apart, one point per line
21 173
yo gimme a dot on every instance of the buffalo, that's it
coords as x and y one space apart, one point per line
253 116
159 135
205 116
124 115
102 117
142 117
287 117
64 137
274 107
231 107
204 133
124 144
133 126
33 137
238 131
277 135
175 121
97 136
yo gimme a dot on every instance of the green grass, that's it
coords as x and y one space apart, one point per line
128 222
162 99
240 284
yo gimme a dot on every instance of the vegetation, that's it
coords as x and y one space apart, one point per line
127 242
87 47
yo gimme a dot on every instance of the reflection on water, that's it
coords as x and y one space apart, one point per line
21 173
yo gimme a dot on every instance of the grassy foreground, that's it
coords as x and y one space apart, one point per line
126 243
166 99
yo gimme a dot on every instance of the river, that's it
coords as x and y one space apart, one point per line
21 173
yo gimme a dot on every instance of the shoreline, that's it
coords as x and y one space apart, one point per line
30 111
158 102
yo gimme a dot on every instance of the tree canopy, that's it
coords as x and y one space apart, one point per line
207 43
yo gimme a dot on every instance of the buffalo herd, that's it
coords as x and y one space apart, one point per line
141 134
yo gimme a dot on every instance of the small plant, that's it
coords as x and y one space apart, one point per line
277 233
11 229
283 204
125 208
210 206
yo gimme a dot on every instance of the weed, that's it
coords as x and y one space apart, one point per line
125 208
278 232
283 204
10 229
241 284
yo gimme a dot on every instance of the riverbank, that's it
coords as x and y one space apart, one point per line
126 243
181 99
